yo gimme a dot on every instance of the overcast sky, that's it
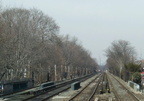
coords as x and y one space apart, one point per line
96 23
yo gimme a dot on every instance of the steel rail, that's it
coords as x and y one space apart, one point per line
62 85
95 89
77 94
114 91
129 92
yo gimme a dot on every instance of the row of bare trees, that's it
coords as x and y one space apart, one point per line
120 55
30 46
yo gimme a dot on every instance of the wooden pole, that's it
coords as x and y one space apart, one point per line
29 69
55 73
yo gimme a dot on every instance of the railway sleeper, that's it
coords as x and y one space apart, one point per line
104 89
101 91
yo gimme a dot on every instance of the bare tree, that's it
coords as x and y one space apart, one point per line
77 57
30 44
26 34
119 54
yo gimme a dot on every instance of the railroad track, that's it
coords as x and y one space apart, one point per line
124 94
107 85
96 87
101 88
114 90
49 93
25 91
84 93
